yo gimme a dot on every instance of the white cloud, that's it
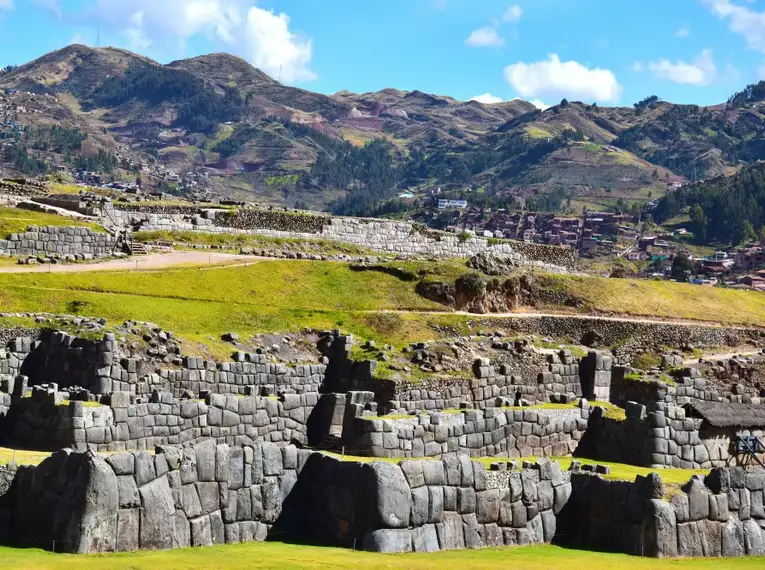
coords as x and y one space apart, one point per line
541 105
513 13
486 99
553 78
637 67
262 36
485 37
5 5
682 32
273 48
742 21
701 72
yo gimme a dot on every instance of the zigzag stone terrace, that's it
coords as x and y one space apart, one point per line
157 450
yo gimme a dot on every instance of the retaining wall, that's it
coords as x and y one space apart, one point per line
46 421
98 366
379 235
478 433
720 515
214 494
55 241
659 438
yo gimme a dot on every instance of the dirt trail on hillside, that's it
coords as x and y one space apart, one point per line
140 263
583 316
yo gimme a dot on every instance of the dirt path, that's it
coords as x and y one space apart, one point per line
139 263
721 356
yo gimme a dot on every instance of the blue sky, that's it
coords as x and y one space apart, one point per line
614 52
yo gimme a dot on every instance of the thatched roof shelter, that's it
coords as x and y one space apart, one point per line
725 414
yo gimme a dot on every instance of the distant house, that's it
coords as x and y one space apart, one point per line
444 204
406 195
645 242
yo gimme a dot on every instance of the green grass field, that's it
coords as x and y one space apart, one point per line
15 220
269 296
281 556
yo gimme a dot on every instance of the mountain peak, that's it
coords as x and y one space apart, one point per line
224 69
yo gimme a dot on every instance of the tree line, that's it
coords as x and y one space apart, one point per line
724 210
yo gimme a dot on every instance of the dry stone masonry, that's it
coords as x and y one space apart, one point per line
75 243
379 235
229 463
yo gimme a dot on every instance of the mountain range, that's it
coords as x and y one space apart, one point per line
245 135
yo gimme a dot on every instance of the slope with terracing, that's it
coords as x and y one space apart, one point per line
320 398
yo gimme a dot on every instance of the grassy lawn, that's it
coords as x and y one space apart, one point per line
16 220
279 556
202 304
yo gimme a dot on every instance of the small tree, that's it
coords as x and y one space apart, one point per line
682 267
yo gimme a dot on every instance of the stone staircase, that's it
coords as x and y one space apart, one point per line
137 249
330 442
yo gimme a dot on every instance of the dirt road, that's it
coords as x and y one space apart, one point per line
139 263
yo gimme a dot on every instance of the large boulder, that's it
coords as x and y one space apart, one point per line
388 540
659 530
157 515
390 495
100 505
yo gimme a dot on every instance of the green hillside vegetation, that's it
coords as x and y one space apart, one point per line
724 209
352 153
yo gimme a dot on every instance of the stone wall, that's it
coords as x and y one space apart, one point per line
47 421
720 515
626 337
210 494
80 243
654 393
192 496
100 367
478 433
659 438
56 357
379 235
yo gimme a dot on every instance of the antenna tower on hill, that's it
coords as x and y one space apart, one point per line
280 73
98 37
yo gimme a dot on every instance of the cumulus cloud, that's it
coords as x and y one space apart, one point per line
553 78
273 47
486 99
485 37
541 105
702 71
513 13
682 32
262 36
747 23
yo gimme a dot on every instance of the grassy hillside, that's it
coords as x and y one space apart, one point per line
662 299
202 304
14 220
278 296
